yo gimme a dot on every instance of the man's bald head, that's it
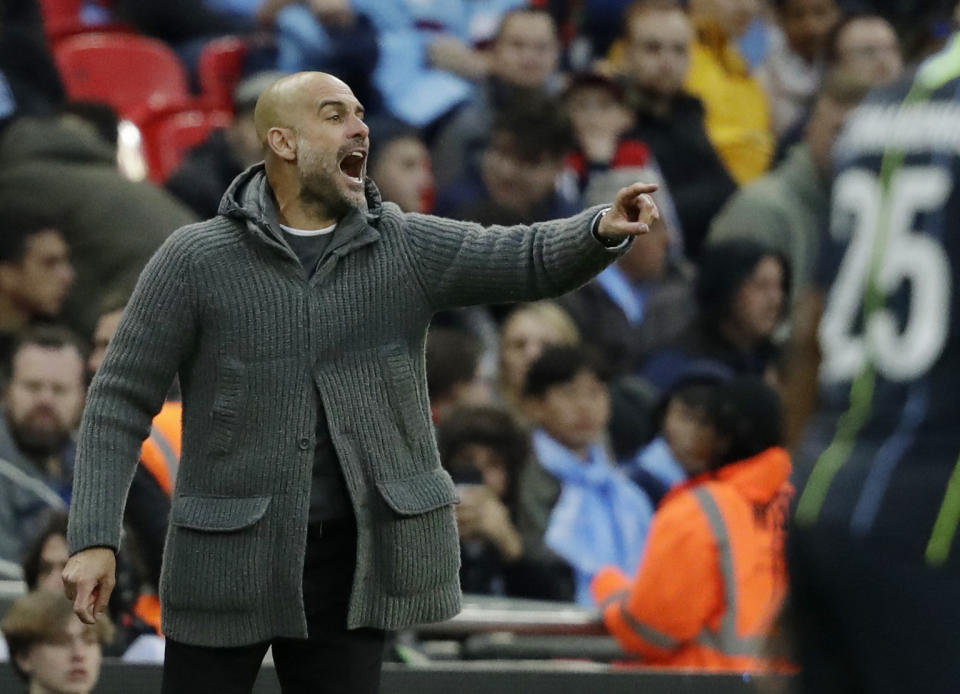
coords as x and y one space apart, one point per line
315 144
288 100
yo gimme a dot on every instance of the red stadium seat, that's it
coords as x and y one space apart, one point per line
134 74
168 139
220 69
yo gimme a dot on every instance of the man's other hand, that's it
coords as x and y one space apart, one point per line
632 213
88 580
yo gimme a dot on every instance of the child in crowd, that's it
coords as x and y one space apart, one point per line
50 648
483 449
713 575
684 446
573 499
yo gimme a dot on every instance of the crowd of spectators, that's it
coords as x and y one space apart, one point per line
580 431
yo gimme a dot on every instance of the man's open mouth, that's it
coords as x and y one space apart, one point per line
352 165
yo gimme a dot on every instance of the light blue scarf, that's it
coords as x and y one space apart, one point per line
601 518
657 458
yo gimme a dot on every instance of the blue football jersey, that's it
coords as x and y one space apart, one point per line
886 441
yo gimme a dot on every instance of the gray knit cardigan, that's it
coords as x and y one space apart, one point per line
226 305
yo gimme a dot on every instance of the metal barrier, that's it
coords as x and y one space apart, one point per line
463 678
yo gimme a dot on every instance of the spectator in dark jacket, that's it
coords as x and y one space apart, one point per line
204 175
670 121
29 80
742 296
521 169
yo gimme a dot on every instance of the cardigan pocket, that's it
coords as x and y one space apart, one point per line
214 557
410 416
421 550
228 405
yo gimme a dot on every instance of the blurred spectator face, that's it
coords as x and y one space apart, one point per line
690 435
646 260
53 557
823 130
486 461
525 334
106 328
515 182
40 282
658 51
758 304
869 47
599 119
575 413
807 24
405 176
44 397
526 51
243 140
65 663
732 16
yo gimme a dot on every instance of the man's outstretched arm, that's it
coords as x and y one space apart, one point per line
461 263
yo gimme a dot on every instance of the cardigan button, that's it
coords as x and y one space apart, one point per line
304 443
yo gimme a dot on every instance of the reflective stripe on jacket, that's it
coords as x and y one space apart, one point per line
161 450
713 576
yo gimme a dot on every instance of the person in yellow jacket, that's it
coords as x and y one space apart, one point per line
713 576
739 121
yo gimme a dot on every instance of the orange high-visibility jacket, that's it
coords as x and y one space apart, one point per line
713 574
161 450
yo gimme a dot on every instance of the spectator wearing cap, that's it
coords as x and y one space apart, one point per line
209 168
742 292
607 155
522 60
659 38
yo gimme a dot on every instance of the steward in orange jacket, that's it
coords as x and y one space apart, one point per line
713 575
161 450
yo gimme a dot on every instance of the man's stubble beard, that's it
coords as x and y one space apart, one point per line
320 185
38 443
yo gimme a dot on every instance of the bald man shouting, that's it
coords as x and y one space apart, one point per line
310 511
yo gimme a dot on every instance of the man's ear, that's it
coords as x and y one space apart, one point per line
283 143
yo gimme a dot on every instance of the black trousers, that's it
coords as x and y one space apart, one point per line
331 660
867 615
